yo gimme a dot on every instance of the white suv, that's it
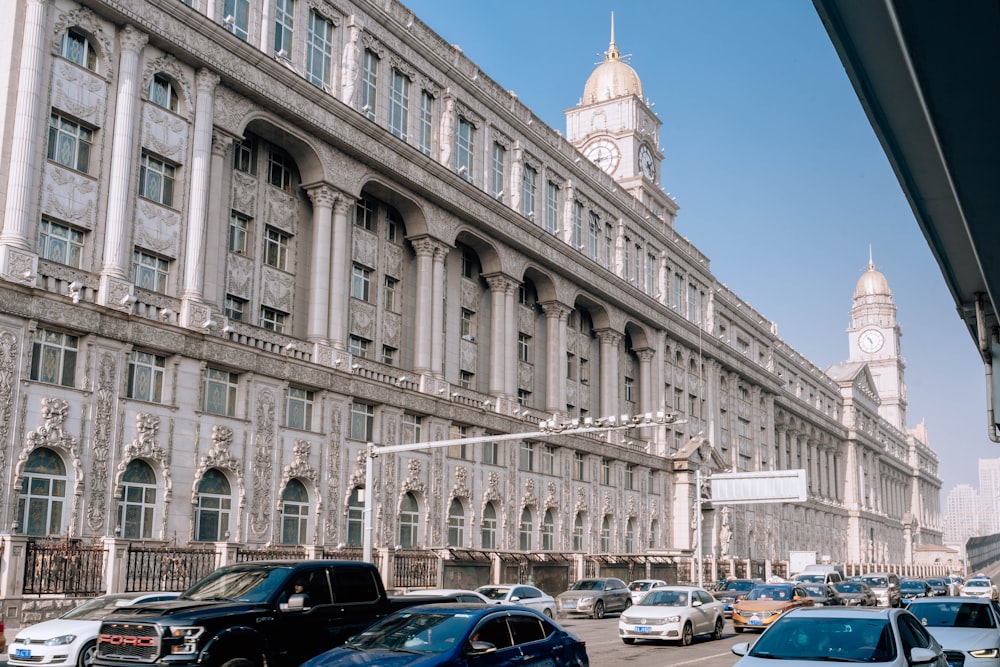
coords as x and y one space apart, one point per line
979 587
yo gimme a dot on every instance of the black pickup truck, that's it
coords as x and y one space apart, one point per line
256 614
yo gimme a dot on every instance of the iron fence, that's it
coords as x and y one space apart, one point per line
166 568
66 567
276 553
415 570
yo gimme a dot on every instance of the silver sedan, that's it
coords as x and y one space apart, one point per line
673 613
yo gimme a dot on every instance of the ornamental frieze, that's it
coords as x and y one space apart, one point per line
263 463
69 196
8 377
100 462
79 93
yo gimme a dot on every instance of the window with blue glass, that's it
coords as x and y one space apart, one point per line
214 507
138 501
53 357
43 493
294 513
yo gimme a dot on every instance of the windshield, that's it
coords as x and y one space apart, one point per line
816 591
98 608
805 637
977 583
811 578
640 585
849 587
588 585
415 633
953 615
911 586
876 582
250 585
770 593
494 592
738 586
665 598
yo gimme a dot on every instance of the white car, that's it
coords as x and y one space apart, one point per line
638 588
968 628
522 594
675 613
979 587
460 594
71 639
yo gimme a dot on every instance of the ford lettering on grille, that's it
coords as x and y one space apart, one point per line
135 642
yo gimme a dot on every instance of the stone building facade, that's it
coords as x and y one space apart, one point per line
242 239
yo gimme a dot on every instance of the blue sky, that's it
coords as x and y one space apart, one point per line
780 179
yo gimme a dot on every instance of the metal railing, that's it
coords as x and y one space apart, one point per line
69 567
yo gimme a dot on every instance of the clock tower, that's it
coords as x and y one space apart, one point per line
874 340
615 128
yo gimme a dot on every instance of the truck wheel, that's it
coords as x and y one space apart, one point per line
87 653
239 662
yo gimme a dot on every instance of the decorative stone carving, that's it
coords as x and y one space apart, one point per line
51 434
333 471
99 465
263 463
69 196
277 289
8 367
79 93
157 228
460 490
413 483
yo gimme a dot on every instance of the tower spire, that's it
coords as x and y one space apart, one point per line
612 53
871 262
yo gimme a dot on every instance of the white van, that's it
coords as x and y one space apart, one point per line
820 574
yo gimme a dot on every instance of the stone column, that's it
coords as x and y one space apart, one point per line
16 255
201 159
556 315
322 197
609 372
340 274
499 345
424 311
646 358
437 311
117 239
510 320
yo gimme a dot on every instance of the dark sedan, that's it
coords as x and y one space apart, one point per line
733 591
460 635
857 594
910 589
824 595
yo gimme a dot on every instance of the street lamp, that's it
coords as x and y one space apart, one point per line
546 428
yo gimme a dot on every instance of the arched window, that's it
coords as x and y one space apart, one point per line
355 518
294 513
578 542
215 502
43 493
162 92
488 533
77 48
456 524
606 536
630 537
548 531
527 528
409 521
138 504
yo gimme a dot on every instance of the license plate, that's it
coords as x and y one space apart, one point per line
569 605
25 653
756 621
641 629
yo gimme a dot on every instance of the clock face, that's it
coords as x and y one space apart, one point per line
604 154
646 162
871 341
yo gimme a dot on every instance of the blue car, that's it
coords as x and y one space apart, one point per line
459 635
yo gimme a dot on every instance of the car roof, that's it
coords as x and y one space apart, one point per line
467 608
841 611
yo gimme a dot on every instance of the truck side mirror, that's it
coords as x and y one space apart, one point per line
296 602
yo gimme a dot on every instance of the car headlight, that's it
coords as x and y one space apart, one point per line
188 637
672 619
61 640
587 599
985 653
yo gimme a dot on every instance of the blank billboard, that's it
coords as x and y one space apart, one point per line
766 486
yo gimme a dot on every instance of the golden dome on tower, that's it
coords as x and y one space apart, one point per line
871 282
613 78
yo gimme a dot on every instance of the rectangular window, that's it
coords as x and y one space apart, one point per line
490 453
361 282
465 379
319 46
60 243
551 208
276 248
579 467
399 104
606 472
528 185
235 307
692 303
650 273
467 324
426 122
273 319
526 459
629 389
390 294
364 214
630 476
280 169
636 264
284 13
498 168
77 48
410 432
362 421
236 17
163 94
609 246
239 226
523 396
626 256
389 355
461 451
145 376
53 357
593 232
464 141
369 83
524 347
677 292
220 392
149 271
245 156
548 459
299 408
577 226
393 226
69 143
156 180
359 346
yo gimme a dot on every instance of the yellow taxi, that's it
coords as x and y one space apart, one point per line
766 602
